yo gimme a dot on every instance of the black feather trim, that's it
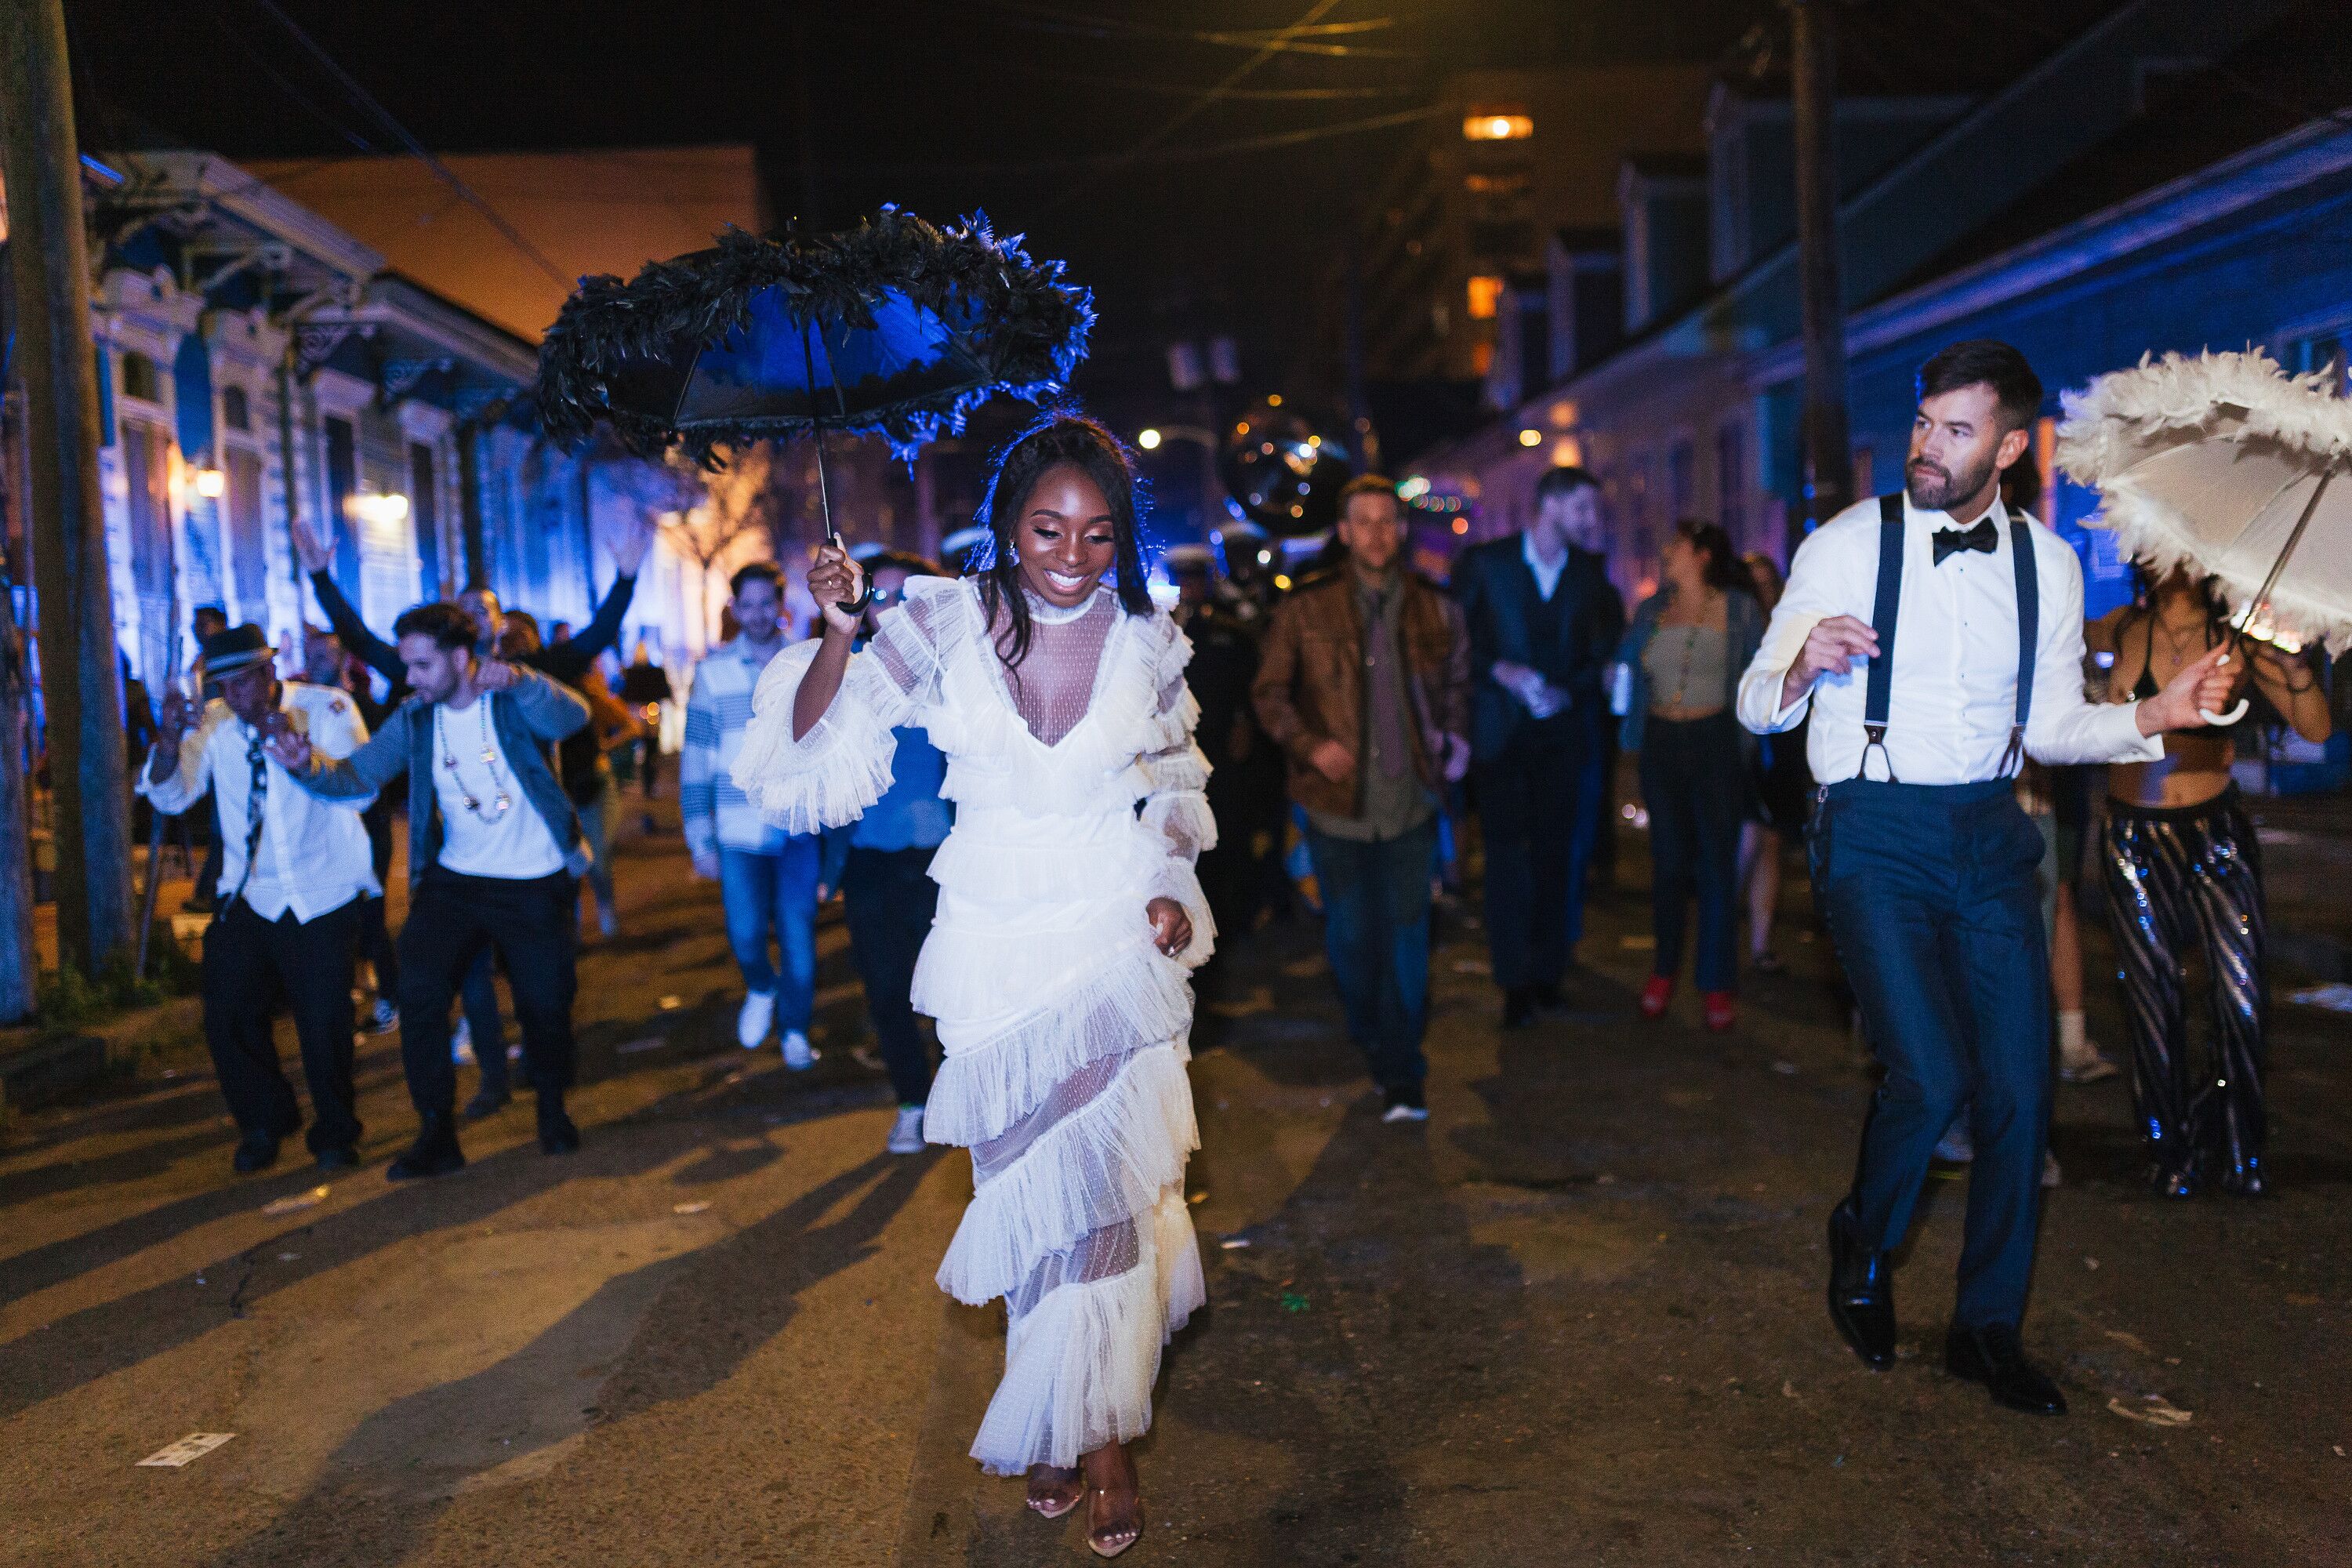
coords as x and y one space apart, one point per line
1030 334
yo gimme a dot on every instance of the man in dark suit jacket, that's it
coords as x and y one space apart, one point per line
1543 621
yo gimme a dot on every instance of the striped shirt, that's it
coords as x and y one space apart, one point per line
717 814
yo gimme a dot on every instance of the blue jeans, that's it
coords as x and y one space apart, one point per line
1929 893
764 891
1376 935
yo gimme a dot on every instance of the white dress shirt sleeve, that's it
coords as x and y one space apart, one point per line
1819 585
2064 726
337 730
187 783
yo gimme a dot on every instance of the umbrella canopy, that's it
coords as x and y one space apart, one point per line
2227 465
894 328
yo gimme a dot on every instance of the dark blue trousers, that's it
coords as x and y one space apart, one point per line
1929 893
1376 936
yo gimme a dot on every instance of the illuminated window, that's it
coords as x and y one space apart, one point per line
1482 358
1566 453
1485 293
1497 125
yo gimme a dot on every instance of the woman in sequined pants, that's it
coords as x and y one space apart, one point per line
2182 878
2184 874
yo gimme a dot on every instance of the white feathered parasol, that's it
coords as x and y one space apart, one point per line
2226 464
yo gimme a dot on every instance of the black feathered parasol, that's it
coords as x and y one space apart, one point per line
894 328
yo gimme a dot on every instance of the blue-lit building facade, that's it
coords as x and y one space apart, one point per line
257 366
2123 196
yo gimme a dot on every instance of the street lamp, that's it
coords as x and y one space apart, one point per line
1149 440
211 483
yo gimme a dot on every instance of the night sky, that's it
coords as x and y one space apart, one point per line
1058 119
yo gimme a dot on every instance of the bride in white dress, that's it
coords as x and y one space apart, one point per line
1069 917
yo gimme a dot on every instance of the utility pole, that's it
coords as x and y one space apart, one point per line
80 685
1829 449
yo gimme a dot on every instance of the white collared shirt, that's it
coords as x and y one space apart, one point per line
1954 696
312 856
1547 575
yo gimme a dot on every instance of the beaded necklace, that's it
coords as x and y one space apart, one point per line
503 802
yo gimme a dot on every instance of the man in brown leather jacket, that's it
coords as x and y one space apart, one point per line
1364 682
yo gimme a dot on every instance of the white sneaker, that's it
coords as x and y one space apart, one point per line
906 1132
751 1023
461 1043
799 1055
1956 1147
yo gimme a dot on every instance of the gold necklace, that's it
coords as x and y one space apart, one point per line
502 803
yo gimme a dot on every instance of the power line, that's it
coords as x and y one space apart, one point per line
417 150
278 79
1201 105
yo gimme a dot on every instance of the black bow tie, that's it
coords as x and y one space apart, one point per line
1983 536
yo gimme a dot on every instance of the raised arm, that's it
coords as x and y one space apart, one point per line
179 764
1811 634
378 654
549 711
819 748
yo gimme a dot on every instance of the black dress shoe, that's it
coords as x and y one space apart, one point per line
256 1154
1519 1007
1861 1293
435 1152
487 1103
1994 1356
556 1133
343 1159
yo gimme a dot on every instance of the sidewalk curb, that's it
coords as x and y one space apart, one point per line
37 1070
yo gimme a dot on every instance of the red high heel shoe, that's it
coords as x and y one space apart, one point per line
1721 1011
1655 996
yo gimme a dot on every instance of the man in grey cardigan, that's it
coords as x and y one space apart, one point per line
493 857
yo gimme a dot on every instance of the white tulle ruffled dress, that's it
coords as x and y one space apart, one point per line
1064 1027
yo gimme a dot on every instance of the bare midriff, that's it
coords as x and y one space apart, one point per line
2196 768
2196 764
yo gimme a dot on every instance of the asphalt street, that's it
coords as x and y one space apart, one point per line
1575 1318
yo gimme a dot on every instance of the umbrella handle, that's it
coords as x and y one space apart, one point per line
2232 717
864 600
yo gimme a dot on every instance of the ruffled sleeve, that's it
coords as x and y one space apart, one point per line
829 777
1175 805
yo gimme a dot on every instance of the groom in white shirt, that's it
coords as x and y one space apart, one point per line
1937 638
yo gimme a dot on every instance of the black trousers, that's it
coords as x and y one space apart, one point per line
251 967
889 899
1539 803
1692 779
533 926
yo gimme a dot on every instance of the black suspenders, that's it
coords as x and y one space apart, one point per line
1885 611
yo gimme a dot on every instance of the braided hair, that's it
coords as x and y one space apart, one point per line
1058 438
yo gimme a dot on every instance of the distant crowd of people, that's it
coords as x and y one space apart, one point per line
1353 726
